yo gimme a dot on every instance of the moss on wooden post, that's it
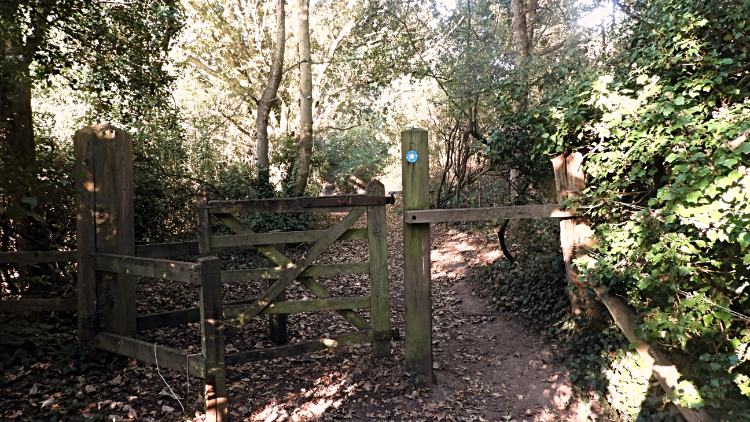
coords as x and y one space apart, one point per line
418 302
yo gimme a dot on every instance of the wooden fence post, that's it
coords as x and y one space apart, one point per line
575 233
418 301
104 224
277 323
377 244
212 339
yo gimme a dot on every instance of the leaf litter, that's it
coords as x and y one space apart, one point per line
487 366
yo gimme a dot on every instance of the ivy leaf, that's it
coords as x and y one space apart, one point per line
15 213
694 196
33 202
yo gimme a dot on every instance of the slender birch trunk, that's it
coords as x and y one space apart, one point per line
304 150
272 88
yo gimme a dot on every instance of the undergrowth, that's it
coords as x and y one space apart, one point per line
599 362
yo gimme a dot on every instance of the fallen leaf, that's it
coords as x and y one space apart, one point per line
167 392
167 409
90 388
48 402
272 417
132 413
34 390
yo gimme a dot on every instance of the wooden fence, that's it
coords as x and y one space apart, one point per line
108 262
159 250
575 239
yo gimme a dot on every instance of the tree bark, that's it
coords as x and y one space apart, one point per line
523 33
272 88
16 130
17 146
304 149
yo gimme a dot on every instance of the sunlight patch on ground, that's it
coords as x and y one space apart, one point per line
308 404
451 258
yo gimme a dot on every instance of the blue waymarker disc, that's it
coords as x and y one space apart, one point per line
412 156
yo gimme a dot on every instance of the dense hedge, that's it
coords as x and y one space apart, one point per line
663 121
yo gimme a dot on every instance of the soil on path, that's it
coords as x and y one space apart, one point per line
487 366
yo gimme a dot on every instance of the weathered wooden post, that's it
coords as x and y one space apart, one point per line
277 323
377 244
575 233
104 224
212 339
418 301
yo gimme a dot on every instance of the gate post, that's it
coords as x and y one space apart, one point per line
575 234
377 244
212 339
415 174
104 224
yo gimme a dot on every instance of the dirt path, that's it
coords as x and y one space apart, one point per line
487 366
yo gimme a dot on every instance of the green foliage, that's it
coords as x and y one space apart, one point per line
664 122
351 157
535 284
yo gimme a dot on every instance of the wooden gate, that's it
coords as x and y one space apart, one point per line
272 302
108 262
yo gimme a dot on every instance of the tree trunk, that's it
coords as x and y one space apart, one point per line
523 32
522 21
17 149
272 88
304 150
16 130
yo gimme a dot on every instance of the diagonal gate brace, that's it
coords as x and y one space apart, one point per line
293 271
279 259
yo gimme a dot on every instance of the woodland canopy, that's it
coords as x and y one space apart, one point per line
274 98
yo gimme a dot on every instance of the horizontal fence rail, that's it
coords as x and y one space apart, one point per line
321 270
245 241
332 304
35 257
148 267
232 309
490 213
45 305
343 203
167 357
164 250
157 250
299 348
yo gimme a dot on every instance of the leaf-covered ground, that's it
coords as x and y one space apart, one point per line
487 366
